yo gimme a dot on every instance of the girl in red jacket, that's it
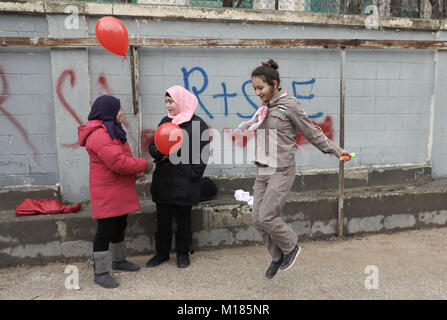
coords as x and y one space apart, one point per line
113 173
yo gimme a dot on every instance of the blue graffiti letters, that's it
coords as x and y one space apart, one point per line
225 95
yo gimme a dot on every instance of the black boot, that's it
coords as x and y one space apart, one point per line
156 260
183 260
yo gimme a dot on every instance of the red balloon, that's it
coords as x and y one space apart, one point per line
112 35
168 138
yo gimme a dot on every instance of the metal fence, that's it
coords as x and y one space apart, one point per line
427 9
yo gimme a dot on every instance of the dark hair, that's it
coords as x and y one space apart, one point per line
268 72
168 95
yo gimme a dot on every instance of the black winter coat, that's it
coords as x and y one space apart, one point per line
180 184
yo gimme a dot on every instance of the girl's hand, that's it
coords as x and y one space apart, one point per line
149 166
345 156
141 175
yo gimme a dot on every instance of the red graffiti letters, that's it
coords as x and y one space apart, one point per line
3 96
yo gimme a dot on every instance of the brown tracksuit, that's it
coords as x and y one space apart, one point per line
276 171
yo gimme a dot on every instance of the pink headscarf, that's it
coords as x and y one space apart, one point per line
186 101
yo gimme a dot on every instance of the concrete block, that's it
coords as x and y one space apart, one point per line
386 70
381 105
229 216
355 88
327 88
381 88
98 9
370 70
14 165
151 85
379 122
301 228
51 179
18 63
420 89
44 164
44 105
393 88
399 221
247 234
369 89
368 224
36 84
361 105
323 228
9 22
15 85
45 144
13 180
151 65
433 218
385 139
213 237
8 127
40 26
333 67
40 251
410 71
23 105
40 125
76 249
404 88
6 146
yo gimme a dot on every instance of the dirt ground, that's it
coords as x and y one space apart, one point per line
404 265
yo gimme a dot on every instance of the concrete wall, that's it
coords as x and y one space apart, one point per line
28 154
46 93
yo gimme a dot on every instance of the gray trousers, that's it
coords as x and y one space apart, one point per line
269 195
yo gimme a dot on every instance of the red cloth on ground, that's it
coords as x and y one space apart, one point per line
31 207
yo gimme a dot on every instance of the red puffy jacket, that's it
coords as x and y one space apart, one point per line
113 172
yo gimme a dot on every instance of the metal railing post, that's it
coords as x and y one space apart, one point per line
341 144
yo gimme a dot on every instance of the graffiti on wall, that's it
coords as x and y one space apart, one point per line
301 90
3 97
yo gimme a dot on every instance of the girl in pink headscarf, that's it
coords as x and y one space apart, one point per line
176 185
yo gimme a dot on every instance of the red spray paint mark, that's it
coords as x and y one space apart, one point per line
71 145
102 81
67 73
60 82
3 96
210 132
326 126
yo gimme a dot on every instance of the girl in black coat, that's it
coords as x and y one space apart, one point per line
176 181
